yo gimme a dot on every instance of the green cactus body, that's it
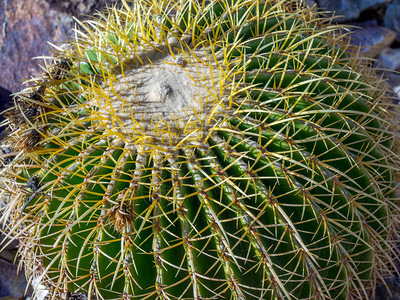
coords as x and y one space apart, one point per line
196 150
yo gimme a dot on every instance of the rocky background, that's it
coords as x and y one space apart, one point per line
27 25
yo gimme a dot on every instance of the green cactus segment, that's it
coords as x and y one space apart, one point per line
195 150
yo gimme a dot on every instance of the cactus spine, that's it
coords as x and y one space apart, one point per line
203 150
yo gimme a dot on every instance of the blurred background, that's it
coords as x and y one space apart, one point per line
26 26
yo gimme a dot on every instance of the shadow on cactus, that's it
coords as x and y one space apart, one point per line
204 150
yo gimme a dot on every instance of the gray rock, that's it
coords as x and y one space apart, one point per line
310 3
349 9
390 58
392 17
393 80
5 102
12 282
373 39
389 291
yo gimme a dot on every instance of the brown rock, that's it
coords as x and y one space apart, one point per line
80 8
27 25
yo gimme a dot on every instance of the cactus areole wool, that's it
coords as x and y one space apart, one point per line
164 97
201 149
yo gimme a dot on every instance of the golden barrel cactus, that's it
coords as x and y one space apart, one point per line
218 149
